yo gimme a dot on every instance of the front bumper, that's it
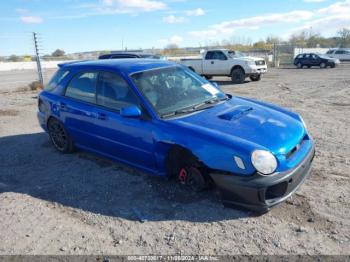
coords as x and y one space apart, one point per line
260 193
256 70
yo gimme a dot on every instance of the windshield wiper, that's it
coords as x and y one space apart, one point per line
211 101
197 107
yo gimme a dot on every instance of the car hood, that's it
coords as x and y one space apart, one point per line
239 119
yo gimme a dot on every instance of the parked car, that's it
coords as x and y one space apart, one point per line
222 62
121 55
166 120
340 53
311 59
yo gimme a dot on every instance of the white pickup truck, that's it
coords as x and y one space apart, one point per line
223 62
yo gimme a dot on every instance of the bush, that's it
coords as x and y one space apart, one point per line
35 85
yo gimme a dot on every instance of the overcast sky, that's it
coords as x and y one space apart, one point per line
86 25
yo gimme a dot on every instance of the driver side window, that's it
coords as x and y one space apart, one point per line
218 55
114 92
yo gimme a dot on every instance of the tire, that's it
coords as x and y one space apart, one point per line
207 77
333 66
255 78
300 65
183 166
323 65
309 67
237 76
193 179
59 136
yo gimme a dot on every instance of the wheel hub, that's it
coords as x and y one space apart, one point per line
182 176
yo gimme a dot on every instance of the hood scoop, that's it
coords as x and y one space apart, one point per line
235 113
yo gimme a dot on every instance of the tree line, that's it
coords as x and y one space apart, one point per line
303 39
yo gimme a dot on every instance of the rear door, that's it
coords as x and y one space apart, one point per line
127 139
215 63
77 108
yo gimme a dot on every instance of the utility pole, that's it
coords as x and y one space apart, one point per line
38 63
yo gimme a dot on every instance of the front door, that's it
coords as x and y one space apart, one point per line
215 63
127 139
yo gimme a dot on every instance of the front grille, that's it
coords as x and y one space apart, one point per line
260 62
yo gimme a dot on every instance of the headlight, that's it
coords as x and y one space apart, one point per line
264 161
250 63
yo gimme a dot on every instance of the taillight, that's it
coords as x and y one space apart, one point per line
41 105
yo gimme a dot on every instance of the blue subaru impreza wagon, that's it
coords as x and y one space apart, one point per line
166 120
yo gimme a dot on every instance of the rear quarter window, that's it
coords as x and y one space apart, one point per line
56 79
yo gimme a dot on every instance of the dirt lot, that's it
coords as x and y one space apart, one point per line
80 204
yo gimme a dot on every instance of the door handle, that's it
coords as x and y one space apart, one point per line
101 116
63 106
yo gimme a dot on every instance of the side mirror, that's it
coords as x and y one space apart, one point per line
130 112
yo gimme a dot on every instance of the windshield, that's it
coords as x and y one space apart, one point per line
235 54
176 90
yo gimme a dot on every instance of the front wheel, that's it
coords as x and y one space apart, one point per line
192 178
59 136
323 65
255 77
237 76
184 166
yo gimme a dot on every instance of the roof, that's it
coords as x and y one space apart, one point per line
127 66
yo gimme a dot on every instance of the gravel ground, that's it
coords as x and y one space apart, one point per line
81 204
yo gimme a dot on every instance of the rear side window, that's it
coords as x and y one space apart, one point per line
114 92
83 87
56 79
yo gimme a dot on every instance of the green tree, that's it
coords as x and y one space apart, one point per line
58 52
299 39
270 40
344 37
14 58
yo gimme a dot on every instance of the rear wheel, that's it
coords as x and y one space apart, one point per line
299 65
208 77
255 77
59 136
237 75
